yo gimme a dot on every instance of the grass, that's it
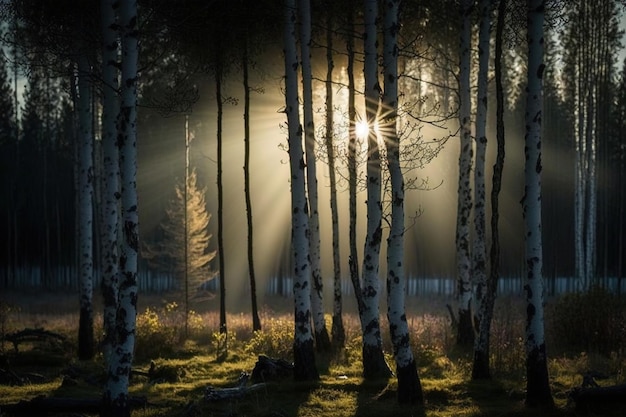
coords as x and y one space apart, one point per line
444 369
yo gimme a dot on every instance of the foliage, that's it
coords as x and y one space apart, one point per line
592 321
275 340
6 309
160 332
444 369
167 251
430 336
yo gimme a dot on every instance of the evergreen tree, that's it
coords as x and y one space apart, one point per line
167 251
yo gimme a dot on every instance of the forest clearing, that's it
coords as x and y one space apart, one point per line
185 369
373 155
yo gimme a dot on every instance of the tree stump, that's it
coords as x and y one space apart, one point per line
268 369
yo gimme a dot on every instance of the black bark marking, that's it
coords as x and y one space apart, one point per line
530 314
541 68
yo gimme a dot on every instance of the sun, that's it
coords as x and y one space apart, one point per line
361 129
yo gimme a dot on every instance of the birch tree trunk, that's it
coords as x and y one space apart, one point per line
115 399
303 351
256 321
465 335
322 340
579 164
409 386
353 260
537 382
481 343
337 329
86 344
110 108
374 365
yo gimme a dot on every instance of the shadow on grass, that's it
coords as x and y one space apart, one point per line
380 398
485 398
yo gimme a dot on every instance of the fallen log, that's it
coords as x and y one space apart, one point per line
44 405
268 369
595 398
241 390
32 335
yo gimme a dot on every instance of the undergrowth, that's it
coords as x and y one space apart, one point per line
445 369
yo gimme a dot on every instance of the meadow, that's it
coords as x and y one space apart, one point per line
585 333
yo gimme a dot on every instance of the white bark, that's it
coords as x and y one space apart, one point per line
590 43
317 307
464 207
371 285
395 242
303 339
480 247
116 391
110 108
532 198
538 388
85 210
409 386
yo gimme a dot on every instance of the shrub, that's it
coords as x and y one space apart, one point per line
154 338
592 321
275 340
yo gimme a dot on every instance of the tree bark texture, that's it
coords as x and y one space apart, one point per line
303 349
110 109
86 343
409 385
537 384
370 320
116 400
465 335
322 340
483 296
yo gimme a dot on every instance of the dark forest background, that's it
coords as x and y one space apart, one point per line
38 132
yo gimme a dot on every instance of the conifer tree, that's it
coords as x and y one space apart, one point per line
170 252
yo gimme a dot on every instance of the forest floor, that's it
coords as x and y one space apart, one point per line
190 365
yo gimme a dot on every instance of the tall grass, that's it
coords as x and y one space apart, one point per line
444 368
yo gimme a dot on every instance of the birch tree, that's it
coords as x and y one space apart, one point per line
537 382
110 211
487 292
353 260
322 340
589 69
337 329
409 386
479 266
465 335
115 397
86 344
303 350
374 365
